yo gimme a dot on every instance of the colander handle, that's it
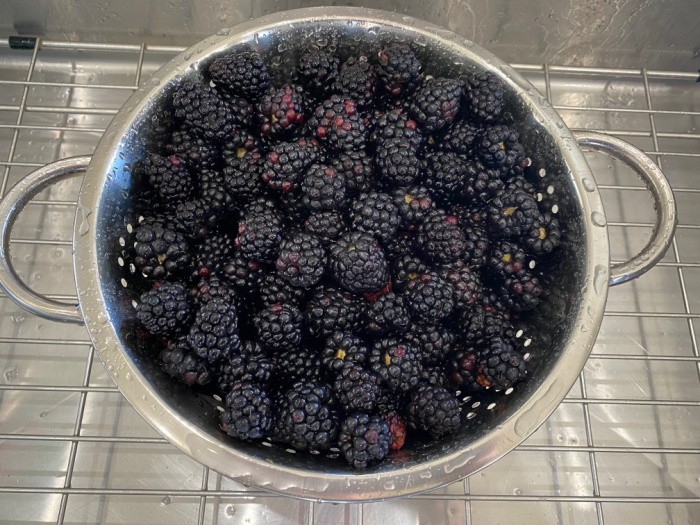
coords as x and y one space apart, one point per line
10 206
664 203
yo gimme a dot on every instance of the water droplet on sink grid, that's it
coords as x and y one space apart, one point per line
588 184
598 219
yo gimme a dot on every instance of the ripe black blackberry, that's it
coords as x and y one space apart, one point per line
481 183
387 315
403 243
398 162
305 417
543 236
193 219
500 366
282 110
247 413
434 342
458 138
399 69
465 283
436 102
301 260
342 349
300 364
210 287
286 162
430 298
261 206
244 73
484 323
214 333
323 188
213 253
317 70
499 148
356 80
242 176
330 309
356 388
250 364
444 175
512 213
337 124
358 263
463 371
328 226
521 291
279 327
165 310
413 204
161 252
246 275
395 123
201 107
407 268
440 238
196 152
276 289
483 96
364 440
375 213
397 363
237 146
169 177
477 246
436 375
435 410
506 258
214 192
259 236
356 167
182 363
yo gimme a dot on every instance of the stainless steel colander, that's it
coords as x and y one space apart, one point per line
558 341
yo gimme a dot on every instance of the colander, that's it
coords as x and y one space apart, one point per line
558 340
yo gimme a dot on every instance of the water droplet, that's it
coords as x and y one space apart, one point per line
600 278
588 184
167 500
230 511
598 219
389 485
584 328
517 491
224 31
101 318
83 214
11 374
18 318
560 124
155 81
128 376
426 475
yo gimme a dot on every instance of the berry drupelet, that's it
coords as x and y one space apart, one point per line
356 388
214 333
465 283
364 440
480 183
483 97
323 188
336 124
329 309
444 175
276 289
477 246
243 74
398 69
440 238
436 103
512 213
195 152
395 123
407 268
279 327
458 138
343 349
435 410
375 213
301 364
521 291
213 253
213 192
397 363
165 310
499 148
500 366
244 274
250 364
506 258
358 263
485 322
301 260
248 412
281 110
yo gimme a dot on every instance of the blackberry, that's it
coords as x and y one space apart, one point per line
521 291
213 253
337 124
358 263
399 69
238 146
403 243
444 175
458 138
481 183
261 206
477 246
197 153
329 310
248 412
259 236
343 349
275 289
305 417
512 213
323 188
214 334
242 176
160 252
250 364
434 342
376 214
300 364
407 268
465 283
279 327
397 363
242 113
210 287
293 209
483 96
180 362
282 110
165 310
397 427
364 440
200 106
506 258
356 167
244 274
500 365
193 219
435 375
285 163
435 410
430 298
413 204
398 162
387 315
463 371
544 235
436 103
214 191
499 148
301 260
440 238
485 322
356 388
356 80
318 70
471 215
395 123
244 73
328 226
168 176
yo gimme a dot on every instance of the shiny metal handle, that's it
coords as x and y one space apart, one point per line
10 206
664 203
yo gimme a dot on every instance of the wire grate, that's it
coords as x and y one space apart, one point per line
621 448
